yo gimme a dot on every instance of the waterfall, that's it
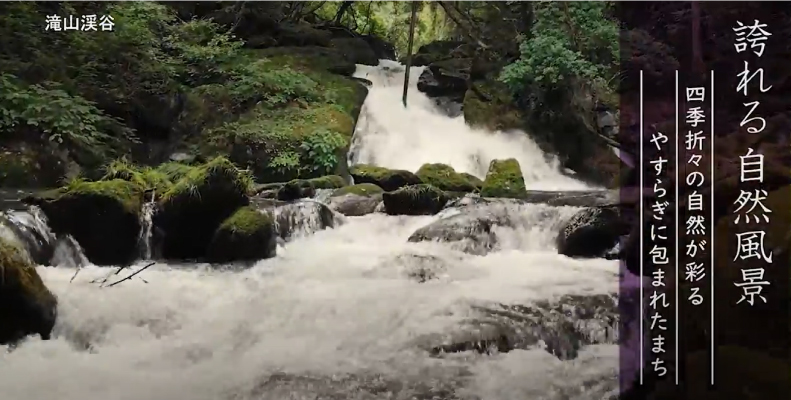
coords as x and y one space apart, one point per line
351 308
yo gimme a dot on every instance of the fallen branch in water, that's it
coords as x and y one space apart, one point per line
132 275
103 281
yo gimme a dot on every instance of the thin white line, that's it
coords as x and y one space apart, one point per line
678 211
642 239
711 246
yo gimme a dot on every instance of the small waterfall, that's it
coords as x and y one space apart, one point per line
146 230
303 218
69 253
29 229
323 195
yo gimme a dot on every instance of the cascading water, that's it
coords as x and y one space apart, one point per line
389 135
353 312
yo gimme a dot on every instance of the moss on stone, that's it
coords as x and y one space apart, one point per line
360 189
296 189
27 305
128 194
422 199
218 171
504 179
194 207
387 179
474 180
146 178
488 104
247 235
444 177
328 182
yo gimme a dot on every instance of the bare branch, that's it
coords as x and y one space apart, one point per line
132 275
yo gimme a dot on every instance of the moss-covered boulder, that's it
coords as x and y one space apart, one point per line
360 189
420 199
444 177
156 181
103 216
504 179
488 104
26 305
387 179
197 204
296 189
247 235
328 182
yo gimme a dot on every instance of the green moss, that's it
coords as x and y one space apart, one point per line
328 182
18 273
296 189
474 180
246 235
445 177
126 193
387 179
489 105
246 221
504 179
216 171
146 178
422 199
174 171
360 189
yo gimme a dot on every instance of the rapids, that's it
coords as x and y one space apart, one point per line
337 314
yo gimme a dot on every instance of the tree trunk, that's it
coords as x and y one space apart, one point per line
409 49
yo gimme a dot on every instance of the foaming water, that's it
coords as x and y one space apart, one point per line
326 307
392 136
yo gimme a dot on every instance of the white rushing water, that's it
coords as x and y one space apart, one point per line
335 315
392 136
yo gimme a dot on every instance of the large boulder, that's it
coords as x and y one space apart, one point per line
196 205
355 50
387 179
420 199
303 218
27 306
435 51
504 179
382 49
356 200
592 232
446 78
296 189
103 216
301 35
444 177
247 235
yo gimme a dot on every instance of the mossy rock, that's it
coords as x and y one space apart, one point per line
489 105
247 235
422 199
296 189
328 182
360 189
474 180
504 179
444 177
301 34
270 140
27 306
197 204
103 216
155 180
387 179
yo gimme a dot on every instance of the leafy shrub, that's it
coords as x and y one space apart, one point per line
321 149
61 118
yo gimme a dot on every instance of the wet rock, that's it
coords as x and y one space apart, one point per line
562 327
296 189
30 231
420 199
504 179
444 177
354 205
303 218
470 231
103 216
592 232
446 78
28 307
387 179
247 235
435 51
192 210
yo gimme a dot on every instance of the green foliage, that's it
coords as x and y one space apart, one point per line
570 42
218 171
61 118
322 148
201 51
504 179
